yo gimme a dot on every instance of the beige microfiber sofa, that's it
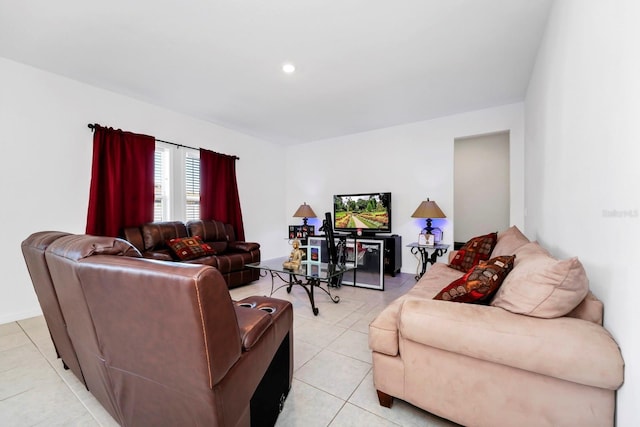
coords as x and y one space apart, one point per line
536 356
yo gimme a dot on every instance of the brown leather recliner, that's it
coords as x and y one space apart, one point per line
63 257
33 251
163 343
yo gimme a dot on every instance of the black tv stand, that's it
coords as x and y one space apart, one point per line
392 251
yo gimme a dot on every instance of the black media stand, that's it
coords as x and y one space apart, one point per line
392 252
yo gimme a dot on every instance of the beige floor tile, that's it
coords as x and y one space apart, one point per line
9 329
75 385
42 339
82 420
99 413
353 344
33 324
334 373
361 326
13 340
50 403
306 406
400 412
242 292
17 355
26 376
317 332
335 313
303 352
349 320
352 416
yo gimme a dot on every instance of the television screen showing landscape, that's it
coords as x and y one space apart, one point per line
364 211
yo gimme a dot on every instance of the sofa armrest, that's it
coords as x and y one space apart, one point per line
383 330
566 348
243 246
252 324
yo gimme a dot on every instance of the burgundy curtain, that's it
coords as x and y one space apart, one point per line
122 182
219 197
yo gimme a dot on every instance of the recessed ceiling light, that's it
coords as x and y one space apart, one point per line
288 68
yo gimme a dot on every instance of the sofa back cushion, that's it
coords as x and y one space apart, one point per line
213 232
208 230
508 241
231 234
156 234
591 309
542 286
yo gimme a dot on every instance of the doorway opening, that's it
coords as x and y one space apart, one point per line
481 202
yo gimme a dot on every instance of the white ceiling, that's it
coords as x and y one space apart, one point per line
361 64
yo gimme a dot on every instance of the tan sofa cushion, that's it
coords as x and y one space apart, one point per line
542 286
508 241
383 330
529 250
591 309
588 354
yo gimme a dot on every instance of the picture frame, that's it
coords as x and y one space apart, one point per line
426 239
301 231
313 254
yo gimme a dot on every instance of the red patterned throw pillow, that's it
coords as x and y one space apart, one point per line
475 250
186 248
480 283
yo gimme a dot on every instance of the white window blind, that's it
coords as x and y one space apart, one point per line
177 183
161 181
192 184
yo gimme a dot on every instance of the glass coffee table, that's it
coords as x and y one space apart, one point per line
310 275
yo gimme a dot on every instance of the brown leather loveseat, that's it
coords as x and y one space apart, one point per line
231 256
161 343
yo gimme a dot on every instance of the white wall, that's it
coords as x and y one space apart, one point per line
481 185
582 151
413 161
46 163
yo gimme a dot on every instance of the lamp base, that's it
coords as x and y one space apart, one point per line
428 229
437 232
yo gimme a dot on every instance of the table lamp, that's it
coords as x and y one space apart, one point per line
305 212
429 209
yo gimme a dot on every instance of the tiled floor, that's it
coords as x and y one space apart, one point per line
332 383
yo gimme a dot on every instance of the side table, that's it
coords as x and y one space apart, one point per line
426 258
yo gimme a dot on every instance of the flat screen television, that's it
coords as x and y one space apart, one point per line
369 212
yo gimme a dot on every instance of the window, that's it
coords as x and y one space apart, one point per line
161 178
192 185
177 183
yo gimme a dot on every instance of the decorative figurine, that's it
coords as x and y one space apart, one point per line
295 259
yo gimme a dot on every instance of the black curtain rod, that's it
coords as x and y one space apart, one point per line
92 127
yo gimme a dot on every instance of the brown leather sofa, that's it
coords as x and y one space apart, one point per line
231 255
161 343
